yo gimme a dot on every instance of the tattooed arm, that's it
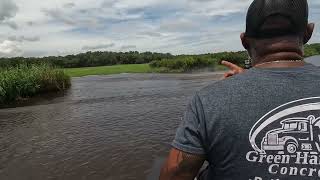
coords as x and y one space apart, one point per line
181 166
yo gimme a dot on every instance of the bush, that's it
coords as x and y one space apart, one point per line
183 63
234 57
311 50
25 81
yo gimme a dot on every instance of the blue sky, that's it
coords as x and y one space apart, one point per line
60 27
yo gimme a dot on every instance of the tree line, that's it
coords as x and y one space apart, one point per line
88 59
92 59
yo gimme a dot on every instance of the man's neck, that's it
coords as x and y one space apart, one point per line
281 64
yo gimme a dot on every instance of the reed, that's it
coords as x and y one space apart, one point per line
25 81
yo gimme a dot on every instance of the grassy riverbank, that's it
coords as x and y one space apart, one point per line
128 68
107 70
21 82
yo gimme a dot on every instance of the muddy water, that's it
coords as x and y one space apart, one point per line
105 127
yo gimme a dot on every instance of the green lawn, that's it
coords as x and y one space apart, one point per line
106 70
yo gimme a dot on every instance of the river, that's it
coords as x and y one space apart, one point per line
315 60
114 127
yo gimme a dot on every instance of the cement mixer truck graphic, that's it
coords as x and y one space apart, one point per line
296 134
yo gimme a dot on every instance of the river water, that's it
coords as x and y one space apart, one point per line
105 127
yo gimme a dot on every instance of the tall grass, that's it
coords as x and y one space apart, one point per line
182 64
24 81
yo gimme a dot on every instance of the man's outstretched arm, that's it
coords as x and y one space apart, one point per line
181 166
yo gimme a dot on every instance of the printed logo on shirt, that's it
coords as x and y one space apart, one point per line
287 139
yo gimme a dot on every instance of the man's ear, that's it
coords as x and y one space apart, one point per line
308 33
244 40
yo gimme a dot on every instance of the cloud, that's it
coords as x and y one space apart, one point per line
59 15
178 27
30 23
150 33
97 47
77 19
11 24
23 38
69 5
34 53
8 10
126 47
9 49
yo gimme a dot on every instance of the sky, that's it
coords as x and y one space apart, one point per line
59 27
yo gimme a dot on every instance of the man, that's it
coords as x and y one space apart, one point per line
262 124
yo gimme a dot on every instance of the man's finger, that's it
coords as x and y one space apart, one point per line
229 74
231 65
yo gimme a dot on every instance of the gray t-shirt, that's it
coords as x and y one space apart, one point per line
263 124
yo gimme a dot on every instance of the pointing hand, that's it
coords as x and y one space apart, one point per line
234 69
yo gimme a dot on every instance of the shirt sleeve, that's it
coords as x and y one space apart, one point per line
188 136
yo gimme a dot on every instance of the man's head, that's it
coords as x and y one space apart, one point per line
277 30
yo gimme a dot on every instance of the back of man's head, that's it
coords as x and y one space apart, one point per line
276 30
268 18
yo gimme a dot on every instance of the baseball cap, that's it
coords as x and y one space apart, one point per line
283 17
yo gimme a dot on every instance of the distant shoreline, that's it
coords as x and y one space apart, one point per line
130 68
145 68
